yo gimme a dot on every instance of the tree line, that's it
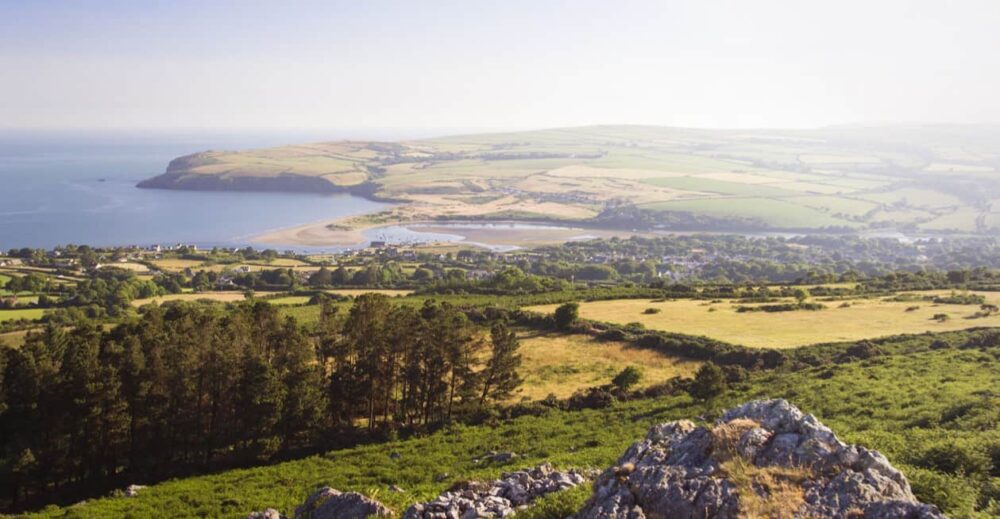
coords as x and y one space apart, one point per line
190 386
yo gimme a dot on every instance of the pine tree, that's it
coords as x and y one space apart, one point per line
500 377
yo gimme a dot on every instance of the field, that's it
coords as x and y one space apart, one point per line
289 300
560 364
913 405
863 319
25 313
791 179
354 292
176 264
226 297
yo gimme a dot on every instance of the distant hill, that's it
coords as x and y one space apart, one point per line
900 178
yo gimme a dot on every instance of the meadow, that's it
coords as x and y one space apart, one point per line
560 364
849 320
922 407
30 314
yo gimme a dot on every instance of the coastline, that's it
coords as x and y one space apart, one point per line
318 234
349 232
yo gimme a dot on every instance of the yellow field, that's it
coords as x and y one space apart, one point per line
13 339
176 264
214 296
134 267
561 364
354 292
863 319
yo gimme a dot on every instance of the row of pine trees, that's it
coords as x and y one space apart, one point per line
190 386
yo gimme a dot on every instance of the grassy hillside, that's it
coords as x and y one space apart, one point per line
930 407
929 178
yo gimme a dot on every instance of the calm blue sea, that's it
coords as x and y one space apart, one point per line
60 188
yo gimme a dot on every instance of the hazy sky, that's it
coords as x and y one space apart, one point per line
504 64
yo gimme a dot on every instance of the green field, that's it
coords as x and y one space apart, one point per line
778 213
915 403
862 319
31 314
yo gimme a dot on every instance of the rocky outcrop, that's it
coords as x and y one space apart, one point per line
500 498
327 503
761 459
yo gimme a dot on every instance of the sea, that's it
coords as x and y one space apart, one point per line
59 188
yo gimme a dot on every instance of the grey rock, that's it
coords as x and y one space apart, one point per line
327 503
270 513
133 490
499 498
680 471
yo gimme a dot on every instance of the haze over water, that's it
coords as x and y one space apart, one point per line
60 188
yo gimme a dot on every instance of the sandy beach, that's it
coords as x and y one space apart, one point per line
341 233
327 233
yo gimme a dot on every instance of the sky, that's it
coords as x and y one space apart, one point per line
514 64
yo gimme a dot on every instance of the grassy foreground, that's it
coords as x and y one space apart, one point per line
932 408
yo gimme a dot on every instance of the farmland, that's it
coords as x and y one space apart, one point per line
30 314
857 319
686 179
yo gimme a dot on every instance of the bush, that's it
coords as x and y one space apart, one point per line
953 495
627 378
591 398
709 382
566 315
956 457
651 311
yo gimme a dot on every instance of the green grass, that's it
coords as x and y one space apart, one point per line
914 197
836 205
721 187
31 314
289 300
908 405
778 213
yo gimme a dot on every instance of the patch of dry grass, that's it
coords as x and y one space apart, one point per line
560 364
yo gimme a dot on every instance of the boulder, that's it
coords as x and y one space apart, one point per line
499 498
133 490
327 503
269 513
761 459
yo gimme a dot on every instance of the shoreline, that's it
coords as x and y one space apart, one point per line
478 233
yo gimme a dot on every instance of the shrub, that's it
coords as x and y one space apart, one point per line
709 382
651 311
954 495
956 457
566 315
627 378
